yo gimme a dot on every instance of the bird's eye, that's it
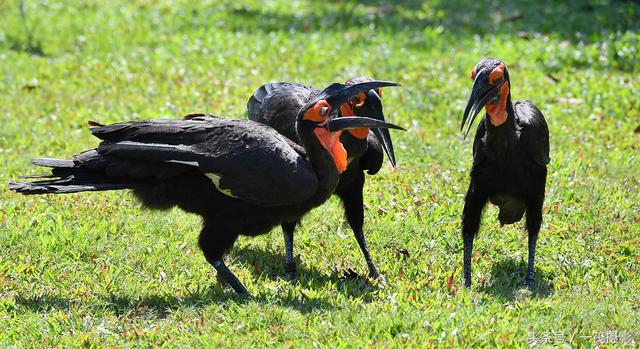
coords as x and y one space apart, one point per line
358 100
318 112
380 92
473 73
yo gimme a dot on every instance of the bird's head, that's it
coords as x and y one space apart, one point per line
321 117
369 104
490 91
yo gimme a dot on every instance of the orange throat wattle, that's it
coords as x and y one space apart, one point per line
331 142
498 112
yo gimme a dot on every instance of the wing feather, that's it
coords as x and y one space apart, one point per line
249 160
534 132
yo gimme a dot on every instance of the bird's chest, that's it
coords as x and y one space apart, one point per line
355 147
507 185
501 177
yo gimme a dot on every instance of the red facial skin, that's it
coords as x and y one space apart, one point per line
347 110
314 114
329 140
497 112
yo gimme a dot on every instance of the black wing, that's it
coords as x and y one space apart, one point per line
243 159
534 132
277 105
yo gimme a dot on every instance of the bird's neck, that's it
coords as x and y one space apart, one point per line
501 140
323 164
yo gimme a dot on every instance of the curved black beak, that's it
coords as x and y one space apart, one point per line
372 107
382 134
350 122
481 93
338 94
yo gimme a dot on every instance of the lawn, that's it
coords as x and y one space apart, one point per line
93 269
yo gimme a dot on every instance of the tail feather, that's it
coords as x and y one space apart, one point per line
32 188
65 178
42 175
54 163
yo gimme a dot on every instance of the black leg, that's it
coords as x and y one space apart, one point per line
351 196
534 220
214 244
473 205
228 276
290 265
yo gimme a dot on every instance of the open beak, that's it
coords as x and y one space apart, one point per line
481 93
351 122
339 94
373 108
382 134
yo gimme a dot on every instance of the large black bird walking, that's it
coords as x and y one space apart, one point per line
242 177
510 157
276 105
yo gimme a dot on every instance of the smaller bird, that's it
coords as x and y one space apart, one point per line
510 158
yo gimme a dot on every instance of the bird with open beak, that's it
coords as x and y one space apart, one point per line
276 105
240 176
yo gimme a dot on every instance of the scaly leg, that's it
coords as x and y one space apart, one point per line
474 203
534 220
290 265
351 196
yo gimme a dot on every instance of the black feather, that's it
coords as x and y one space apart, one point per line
509 169
277 105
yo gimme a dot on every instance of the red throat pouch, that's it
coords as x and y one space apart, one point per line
498 112
331 142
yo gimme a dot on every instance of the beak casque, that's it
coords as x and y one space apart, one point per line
481 93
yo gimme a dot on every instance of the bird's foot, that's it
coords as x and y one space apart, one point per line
530 282
290 269
466 281
379 279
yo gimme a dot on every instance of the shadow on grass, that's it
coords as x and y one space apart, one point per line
461 18
507 281
268 264
263 264
161 305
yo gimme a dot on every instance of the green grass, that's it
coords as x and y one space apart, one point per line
93 269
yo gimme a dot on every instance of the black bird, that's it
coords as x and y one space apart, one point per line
510 157
242 177
276 105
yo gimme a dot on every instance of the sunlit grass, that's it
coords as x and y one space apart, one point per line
93 269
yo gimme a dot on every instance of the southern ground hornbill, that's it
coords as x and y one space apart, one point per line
242 177
510 157
276 104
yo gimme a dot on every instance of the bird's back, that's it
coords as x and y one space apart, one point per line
277 105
